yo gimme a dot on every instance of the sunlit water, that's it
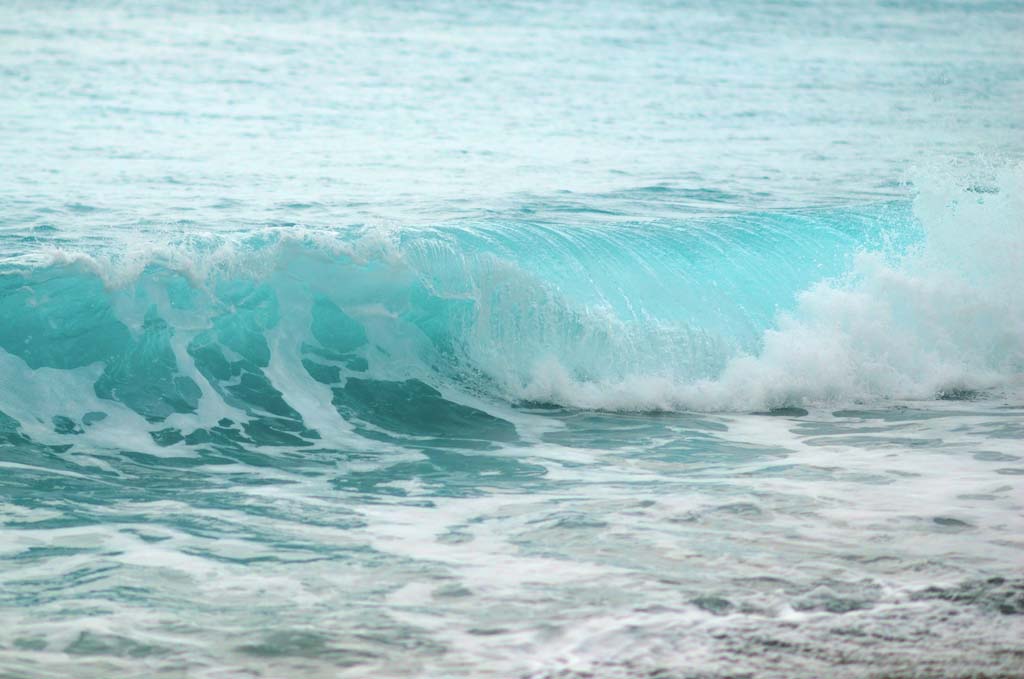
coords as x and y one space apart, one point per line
536 341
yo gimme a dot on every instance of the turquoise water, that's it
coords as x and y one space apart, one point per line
518 341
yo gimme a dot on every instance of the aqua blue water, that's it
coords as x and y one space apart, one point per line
512 340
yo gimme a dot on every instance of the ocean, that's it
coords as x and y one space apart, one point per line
511 340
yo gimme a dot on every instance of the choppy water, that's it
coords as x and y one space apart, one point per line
527 340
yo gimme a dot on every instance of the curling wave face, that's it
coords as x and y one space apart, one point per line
755 310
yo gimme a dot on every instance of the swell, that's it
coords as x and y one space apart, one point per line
282 336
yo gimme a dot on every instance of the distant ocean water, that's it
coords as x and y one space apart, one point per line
537 340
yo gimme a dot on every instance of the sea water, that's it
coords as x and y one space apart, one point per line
522 339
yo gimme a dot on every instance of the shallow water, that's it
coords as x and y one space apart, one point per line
839 543
516 341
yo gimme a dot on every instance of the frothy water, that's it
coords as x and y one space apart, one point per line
421 342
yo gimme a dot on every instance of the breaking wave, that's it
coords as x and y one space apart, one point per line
281 331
